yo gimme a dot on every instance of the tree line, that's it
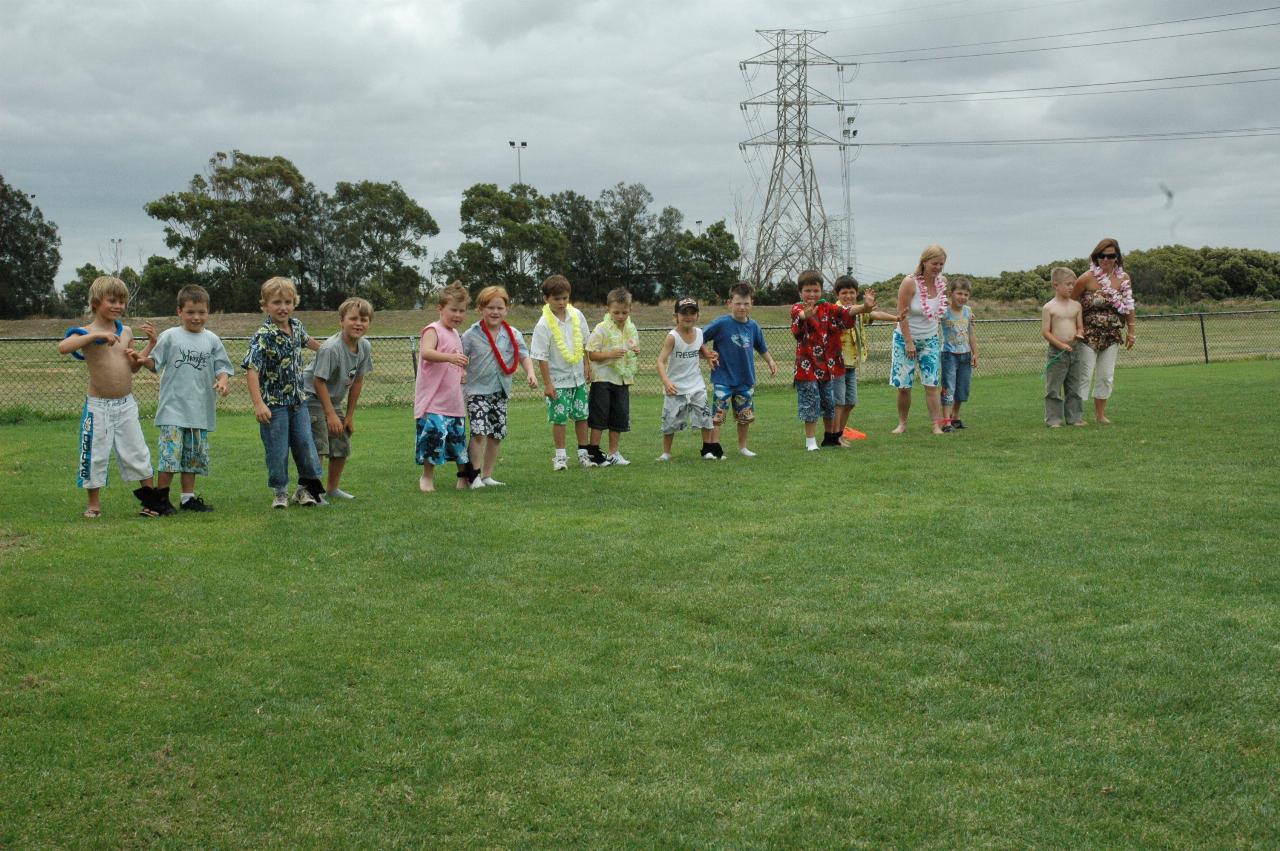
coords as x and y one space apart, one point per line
246 218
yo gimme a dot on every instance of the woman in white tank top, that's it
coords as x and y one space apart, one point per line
917 341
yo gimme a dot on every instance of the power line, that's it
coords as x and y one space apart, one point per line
1075 94
1072 85
1169 136
1068 35
850 60
936 20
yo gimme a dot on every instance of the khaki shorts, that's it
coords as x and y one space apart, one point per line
327 444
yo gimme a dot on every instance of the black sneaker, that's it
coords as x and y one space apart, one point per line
195 504
957 424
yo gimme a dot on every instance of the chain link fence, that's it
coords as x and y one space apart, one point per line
36 379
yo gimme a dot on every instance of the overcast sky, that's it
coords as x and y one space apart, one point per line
107 105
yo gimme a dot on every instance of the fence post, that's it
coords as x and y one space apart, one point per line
413 354
1204 339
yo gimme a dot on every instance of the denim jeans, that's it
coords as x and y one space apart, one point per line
957 370
289 429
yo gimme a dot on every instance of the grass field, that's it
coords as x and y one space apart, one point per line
1009 637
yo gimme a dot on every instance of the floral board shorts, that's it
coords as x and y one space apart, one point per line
488 414
441 439
742 398
902 370
685 410
814 399
183 450
570 404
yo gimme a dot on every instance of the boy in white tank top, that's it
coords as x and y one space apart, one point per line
685 403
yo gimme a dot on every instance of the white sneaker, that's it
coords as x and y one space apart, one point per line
476 483
584 459
616 460
491 482
663 457
339 493
281 500
708 456
813 448
560 462
746 453
302 496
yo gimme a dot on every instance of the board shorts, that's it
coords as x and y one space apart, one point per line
441 439
182 450
570 404
108 425
902 370
741 397
814 399
488 414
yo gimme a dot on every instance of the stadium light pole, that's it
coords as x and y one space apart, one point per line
518 148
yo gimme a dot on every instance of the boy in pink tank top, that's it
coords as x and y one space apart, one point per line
439 408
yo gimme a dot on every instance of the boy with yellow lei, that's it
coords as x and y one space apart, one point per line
557 347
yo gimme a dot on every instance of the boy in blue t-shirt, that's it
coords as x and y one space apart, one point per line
736 338
194 365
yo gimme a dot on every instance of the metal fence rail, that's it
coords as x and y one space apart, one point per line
36 378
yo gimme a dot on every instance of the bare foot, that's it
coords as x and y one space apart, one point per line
1103 421
1055 425
902 427
426 485
1081 423
463 484
937 429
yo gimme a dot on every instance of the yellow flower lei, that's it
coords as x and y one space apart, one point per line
573 357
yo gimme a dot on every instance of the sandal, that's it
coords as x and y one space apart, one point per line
92 513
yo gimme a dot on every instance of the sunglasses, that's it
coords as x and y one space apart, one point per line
1109 256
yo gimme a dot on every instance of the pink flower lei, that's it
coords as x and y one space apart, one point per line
1121 299
940 284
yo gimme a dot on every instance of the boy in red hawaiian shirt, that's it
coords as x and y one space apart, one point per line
813 323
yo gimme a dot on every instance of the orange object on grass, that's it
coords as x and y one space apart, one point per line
851 433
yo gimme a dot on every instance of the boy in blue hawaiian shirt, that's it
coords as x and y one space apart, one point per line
274 364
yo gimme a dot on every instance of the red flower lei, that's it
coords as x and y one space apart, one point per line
497 355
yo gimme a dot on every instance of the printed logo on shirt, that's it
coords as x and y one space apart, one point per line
193 358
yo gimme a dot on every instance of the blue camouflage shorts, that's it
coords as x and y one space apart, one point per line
814 399
440 440
902 370
741 397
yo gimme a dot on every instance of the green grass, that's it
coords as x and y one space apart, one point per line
1009 636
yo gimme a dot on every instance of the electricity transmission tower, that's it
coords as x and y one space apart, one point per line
794 234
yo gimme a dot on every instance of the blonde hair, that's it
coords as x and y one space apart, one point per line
618 296
278 287
453 294
357 304
928 254
491 293
106 285
1062 275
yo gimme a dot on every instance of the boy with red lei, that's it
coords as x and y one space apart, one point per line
494 352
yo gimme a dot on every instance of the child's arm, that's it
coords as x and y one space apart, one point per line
313 344
434 355
72 343
973 344
222 368
709 355
331 418
143 359
800 322
353 396
668 345
527 363
260 411
548 389
882 316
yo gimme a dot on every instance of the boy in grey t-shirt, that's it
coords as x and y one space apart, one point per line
194 364
337 373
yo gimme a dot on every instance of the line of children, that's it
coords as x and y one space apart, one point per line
735 338
193 366
494 352
335 375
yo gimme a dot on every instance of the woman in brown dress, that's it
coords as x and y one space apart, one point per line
1106 301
